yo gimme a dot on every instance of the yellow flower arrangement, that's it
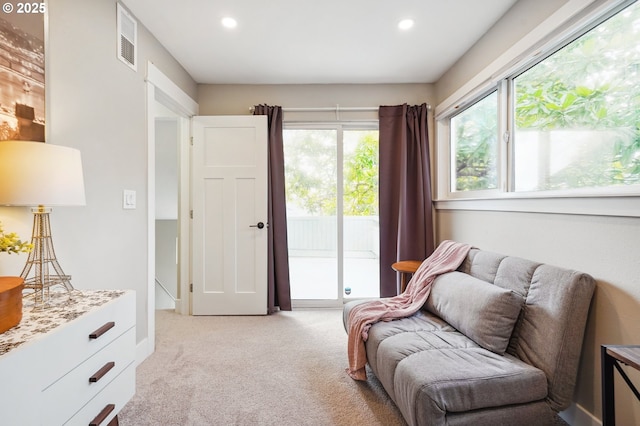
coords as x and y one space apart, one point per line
11 243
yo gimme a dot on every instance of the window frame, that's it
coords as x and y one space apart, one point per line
534 48
502 149
340 127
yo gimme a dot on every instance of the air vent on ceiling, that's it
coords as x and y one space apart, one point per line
127 38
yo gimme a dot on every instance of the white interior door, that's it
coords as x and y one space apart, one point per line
229 215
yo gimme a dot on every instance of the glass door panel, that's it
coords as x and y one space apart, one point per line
311 182
331 178
360 214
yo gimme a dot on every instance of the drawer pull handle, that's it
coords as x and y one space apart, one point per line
103 415
100 373
99 332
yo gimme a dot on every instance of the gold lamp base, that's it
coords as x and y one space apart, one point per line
42 272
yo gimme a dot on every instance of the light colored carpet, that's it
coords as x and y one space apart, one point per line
282 369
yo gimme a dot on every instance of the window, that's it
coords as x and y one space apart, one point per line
573 121
331 179
577 113
474 138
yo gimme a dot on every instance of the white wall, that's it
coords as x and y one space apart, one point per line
166 168
97 104
166 223
166 265
604 246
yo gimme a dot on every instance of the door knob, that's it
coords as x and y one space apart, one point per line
259 225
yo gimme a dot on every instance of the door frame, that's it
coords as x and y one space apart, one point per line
161 91
340 127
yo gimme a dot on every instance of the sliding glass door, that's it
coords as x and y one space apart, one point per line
331 175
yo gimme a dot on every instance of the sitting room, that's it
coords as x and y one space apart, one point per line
234 188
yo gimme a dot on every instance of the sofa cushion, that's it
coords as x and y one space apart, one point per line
483 312
388 346
422 323
434 371
482 264
430 384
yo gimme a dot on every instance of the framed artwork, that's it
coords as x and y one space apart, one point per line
22 76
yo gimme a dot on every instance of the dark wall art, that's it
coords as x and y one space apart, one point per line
22 76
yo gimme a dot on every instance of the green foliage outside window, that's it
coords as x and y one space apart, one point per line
591 85
475 137
361 177
311 173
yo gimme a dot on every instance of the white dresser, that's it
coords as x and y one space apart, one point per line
71 364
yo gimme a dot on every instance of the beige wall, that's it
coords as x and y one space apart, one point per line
237 99
603 246
97 104
522 18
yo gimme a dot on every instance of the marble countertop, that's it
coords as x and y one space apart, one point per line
65 308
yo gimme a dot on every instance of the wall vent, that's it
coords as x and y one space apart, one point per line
127 38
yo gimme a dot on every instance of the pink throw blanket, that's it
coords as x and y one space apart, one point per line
446 258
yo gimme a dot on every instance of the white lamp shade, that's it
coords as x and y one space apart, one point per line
40 174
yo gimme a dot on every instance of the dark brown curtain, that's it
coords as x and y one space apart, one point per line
406 218
279 293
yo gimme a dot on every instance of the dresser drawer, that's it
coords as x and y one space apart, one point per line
64 397
119 391
73 344
47 361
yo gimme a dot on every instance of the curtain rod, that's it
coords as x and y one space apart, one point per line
336 108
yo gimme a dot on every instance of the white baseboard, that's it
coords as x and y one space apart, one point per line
142 351
576 415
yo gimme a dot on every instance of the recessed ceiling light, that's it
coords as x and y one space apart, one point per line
405 24
229 22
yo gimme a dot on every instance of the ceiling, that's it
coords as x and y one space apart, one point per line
317 42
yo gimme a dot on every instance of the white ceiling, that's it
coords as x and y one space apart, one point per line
317 41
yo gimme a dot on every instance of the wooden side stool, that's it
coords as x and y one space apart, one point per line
406 268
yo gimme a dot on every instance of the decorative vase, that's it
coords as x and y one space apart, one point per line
10 302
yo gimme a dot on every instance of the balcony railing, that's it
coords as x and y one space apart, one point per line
313 253
311 236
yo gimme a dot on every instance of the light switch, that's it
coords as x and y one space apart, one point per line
128 199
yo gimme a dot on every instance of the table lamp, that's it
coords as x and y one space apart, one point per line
41 175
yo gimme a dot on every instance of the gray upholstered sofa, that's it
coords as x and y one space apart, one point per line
497 343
